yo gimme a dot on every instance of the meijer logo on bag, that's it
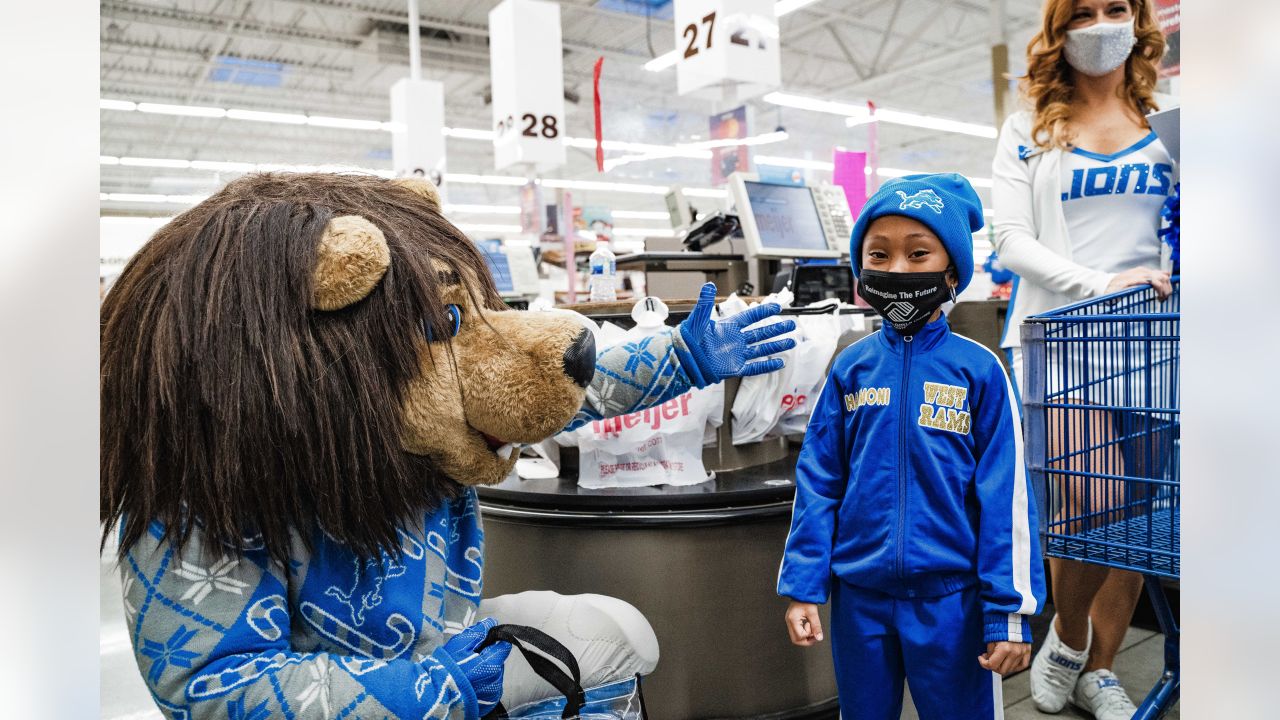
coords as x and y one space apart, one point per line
653 417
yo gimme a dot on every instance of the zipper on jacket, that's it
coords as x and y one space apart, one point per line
902 450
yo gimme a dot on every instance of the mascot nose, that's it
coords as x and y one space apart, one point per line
580 358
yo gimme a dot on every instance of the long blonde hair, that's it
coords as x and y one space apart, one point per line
1047 86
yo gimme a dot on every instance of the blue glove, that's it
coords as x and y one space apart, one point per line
713 351
484 670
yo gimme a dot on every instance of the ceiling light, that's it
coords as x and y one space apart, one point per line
807 103
485 179
718 193
794 162
605 186
481 227
221 166
155 162
484 209
108 160
126 105
641 215
190 110
337 122
468 133
261 116
662 62
899 117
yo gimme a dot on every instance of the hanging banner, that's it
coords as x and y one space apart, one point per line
1169 18
850 173
728 46
725 161
527 75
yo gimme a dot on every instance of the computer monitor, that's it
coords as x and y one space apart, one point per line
783 221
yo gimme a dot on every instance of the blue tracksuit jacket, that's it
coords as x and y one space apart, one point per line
911 481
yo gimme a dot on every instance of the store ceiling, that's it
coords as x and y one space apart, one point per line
339 58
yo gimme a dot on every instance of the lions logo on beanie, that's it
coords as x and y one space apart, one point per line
944 202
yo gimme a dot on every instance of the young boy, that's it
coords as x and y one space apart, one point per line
913 513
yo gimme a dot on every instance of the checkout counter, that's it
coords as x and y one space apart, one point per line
700 561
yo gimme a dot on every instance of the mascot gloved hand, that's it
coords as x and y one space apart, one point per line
650 370
724 349
483 669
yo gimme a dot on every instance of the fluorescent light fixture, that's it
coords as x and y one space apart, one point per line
641 215
349 123
102 196
149 198
468 178
272 117
643 232
899 172
605 186
794 162
789 6
899 117
222 166
717 193
125 105
482 227
484 209
662 62
188 110
468 133
807 103
155 162
108 160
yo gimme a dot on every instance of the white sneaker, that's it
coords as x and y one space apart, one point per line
1100 693
1055 669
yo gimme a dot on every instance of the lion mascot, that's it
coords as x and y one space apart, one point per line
304 377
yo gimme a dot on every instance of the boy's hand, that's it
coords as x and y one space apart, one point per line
803 624
1006 657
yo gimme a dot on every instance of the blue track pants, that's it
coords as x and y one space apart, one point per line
933 643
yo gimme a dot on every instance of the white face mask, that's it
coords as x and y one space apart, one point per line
1100 48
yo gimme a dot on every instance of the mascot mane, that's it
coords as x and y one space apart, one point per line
230 403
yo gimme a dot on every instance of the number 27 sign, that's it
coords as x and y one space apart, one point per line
729 44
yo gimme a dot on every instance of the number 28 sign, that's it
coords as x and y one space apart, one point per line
727 44
527 77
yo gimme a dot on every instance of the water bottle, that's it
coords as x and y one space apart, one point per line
604 273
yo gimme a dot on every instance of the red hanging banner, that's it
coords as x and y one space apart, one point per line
595 85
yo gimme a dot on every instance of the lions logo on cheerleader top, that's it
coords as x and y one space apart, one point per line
924 198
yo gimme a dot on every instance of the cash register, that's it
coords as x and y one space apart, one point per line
795 237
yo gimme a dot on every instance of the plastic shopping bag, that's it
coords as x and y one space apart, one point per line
658 446
758 406
815 346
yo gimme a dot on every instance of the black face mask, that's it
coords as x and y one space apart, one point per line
905 300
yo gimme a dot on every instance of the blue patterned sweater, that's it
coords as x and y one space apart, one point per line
330 636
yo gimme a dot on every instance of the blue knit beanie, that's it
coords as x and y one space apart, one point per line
944 202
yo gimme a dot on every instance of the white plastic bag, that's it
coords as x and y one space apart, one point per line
815 346
658 446
758 406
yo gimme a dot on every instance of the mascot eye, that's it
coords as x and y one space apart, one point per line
454 314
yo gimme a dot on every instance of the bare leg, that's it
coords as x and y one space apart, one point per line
1074 586
1111 612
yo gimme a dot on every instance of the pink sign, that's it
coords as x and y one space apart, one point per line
850 173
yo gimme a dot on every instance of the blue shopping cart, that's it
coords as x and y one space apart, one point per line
1102 426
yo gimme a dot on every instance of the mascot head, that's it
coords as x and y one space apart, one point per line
307 351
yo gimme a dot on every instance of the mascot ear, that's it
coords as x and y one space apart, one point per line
423 187
351 259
